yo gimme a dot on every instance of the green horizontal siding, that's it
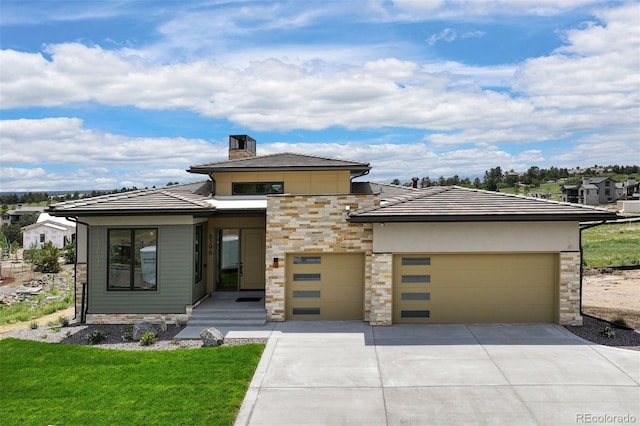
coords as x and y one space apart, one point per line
174 279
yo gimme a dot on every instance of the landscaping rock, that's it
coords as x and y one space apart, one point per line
211 337
142 327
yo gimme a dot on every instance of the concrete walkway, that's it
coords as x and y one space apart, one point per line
349 373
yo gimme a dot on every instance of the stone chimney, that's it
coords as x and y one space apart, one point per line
241 146
414 182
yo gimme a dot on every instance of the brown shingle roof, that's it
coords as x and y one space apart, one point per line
282 162
176 199
456 204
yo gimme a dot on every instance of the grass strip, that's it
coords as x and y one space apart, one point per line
611 245
54 384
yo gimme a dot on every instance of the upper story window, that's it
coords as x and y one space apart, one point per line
257 188
132 259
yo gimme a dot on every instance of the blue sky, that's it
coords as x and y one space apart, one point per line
106 94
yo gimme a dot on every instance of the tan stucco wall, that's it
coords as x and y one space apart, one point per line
312 224
476 237
309 182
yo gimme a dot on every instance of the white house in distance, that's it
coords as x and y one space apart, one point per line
58 230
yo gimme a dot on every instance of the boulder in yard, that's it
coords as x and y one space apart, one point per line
211 337
140 328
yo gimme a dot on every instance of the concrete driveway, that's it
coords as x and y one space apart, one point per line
332 373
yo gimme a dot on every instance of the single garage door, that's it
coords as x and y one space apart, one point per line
325 286
474 288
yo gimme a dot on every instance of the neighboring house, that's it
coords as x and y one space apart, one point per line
592 191
58 230
12 217
323 247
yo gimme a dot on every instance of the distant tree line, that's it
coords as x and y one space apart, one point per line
495 178
14 199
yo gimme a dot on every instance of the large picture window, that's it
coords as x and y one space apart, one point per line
132 259
257 188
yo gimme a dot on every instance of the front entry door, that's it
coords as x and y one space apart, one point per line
240 261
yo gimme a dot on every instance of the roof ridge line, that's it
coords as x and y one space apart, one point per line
526 197
181 197
405 198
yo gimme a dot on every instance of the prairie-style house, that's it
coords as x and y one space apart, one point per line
319 242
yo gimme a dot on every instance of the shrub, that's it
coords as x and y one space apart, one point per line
148 339
620 322
96 337
127 332
608 332
44 259
33 325
63 321
69 253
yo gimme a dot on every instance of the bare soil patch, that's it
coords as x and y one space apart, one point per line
610 294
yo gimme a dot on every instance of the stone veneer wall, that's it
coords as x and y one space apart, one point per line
569 289
313 224
381 289
133 318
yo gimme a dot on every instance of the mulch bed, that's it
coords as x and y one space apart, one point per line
593 327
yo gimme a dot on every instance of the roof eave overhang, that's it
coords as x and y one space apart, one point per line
136 212
476 218
359 171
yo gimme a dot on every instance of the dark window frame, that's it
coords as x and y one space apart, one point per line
198 253
257 188
131 259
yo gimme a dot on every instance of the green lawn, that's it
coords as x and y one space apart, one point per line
61 384
611 245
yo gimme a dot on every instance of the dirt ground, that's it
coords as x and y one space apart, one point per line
609 294
16 274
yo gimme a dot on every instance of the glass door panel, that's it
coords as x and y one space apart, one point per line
228 259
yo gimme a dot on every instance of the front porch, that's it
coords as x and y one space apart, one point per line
227 309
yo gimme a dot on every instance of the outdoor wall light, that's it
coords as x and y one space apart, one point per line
275 262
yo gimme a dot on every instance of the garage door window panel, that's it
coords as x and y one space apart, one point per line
415 296
416 279
416 261
307 260
306 311
307 277
414 314
306 294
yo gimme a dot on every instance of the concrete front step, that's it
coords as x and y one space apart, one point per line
228 317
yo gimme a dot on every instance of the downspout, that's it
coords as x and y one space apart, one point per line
85 287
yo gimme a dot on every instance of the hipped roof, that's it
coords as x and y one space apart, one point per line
457 204
281 163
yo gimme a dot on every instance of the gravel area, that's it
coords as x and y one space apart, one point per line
592 327
78 335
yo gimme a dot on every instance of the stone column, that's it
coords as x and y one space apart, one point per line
569 291
381 289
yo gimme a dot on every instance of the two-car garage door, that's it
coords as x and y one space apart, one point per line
325 286
474 288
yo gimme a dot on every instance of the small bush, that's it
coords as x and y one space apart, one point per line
148 339
96 337
43 336
69 253
52 323
620 322
127 332
608 332
33 325
63 321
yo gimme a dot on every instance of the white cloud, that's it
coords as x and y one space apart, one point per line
450 35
